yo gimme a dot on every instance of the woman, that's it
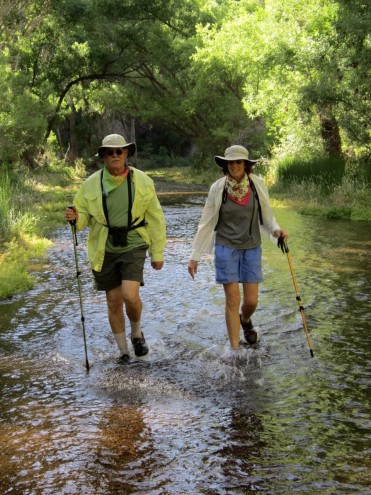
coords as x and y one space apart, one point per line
237 210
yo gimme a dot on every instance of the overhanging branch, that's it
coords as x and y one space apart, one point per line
78 80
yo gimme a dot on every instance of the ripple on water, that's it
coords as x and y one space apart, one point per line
193 417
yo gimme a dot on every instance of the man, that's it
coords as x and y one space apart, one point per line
120 205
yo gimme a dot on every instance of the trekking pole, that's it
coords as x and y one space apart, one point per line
285 249
78 273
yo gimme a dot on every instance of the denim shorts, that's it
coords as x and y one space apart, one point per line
120 266
238 265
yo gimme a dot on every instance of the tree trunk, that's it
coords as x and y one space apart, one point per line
72 153
330 133
132 138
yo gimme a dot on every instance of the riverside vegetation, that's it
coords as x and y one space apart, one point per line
32 203
288 80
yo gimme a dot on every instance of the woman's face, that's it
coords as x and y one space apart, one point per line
236 169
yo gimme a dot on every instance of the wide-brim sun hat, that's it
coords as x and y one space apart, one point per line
235 152
116 141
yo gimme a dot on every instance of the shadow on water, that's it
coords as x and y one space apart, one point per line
189 419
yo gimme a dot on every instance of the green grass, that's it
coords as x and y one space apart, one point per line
324 172
14 274
350 199
31 206
185 175
14 214
14 279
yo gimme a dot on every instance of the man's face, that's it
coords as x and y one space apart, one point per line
115 159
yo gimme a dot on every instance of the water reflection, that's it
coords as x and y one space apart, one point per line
245 444
123 445
187 419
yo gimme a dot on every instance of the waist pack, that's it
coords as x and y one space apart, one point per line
119 235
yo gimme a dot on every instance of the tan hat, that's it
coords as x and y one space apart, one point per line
235 152
116 141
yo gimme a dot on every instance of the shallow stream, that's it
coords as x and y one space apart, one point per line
187 419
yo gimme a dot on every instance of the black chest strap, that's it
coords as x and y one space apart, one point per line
255 193
130 205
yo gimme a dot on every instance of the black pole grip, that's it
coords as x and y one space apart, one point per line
282 244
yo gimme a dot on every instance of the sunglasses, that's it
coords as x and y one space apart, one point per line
239 162
112 151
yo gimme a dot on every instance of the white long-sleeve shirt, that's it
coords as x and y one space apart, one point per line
205 235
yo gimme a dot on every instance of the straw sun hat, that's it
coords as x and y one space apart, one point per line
116 141
235 152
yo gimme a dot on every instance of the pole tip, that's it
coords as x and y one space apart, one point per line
311 353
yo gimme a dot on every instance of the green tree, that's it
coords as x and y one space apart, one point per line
270 75
22 112
354 66
303 67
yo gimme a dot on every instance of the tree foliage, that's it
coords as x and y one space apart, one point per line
277 76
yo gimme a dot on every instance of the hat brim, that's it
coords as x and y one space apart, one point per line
221 161
131 147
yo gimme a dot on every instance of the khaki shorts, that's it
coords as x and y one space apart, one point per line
120 266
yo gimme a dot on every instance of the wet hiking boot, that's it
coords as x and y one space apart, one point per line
123 359
250 334
140 346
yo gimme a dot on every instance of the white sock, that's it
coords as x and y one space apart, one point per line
245 321
135 329
121 342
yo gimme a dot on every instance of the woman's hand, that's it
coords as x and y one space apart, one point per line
192 268
281 233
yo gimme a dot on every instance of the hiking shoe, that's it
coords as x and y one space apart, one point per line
140 346
250 334
123 359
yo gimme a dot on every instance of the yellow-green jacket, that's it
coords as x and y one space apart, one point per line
88 202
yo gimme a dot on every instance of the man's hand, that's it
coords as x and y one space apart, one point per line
157 265
71 214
